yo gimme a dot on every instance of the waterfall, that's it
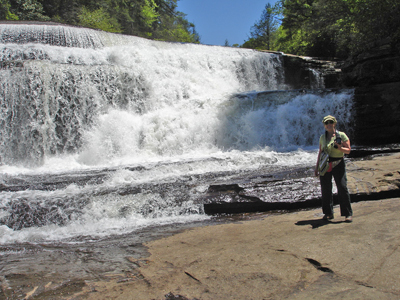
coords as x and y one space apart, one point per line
316 79
55 35
53 95
101 130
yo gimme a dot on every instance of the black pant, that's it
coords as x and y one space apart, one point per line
339 174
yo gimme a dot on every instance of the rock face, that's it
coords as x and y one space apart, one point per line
375 74
309 73
378 65
377 114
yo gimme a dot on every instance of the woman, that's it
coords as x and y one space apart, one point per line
336 148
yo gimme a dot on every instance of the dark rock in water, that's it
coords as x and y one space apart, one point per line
224 188
308 73
24 213
300 190
263 194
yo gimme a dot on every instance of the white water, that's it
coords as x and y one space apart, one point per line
155 113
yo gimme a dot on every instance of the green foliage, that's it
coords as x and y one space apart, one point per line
5 13
253 43
149 13
375 20
263 31
98 19
330 28
175 28
31 10
156 19
178 33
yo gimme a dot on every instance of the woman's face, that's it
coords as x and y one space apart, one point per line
329 125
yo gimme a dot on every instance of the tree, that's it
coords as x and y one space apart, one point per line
28 10
337 28
252 43
148 15
263 31
155 19
173 26
375 20
296 32
5 13
98 19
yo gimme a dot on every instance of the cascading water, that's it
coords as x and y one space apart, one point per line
103 134
317 80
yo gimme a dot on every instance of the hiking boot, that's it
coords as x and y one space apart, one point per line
348 219
328 217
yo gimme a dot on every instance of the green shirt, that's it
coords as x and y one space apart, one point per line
329 147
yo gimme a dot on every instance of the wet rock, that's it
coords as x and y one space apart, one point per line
24 213
375 75
306 72
290 194
225 188
256 196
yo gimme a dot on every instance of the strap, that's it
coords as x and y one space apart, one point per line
325 143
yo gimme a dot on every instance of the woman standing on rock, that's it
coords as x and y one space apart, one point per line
333 144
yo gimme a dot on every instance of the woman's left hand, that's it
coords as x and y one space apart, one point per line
344 147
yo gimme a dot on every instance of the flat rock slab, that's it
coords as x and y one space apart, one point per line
289 256
381 174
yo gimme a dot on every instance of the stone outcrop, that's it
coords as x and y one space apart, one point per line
377 114
309 73
375 74
367 180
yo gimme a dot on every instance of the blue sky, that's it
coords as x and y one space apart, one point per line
220 20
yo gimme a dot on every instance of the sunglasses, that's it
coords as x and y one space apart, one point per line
329 122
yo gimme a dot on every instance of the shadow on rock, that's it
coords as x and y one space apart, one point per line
316 223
